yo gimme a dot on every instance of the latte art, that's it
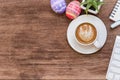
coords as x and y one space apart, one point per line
86 33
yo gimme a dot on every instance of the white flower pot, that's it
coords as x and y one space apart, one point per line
90 10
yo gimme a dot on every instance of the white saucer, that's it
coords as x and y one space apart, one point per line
102 35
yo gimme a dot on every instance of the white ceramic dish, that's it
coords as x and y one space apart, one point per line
102 33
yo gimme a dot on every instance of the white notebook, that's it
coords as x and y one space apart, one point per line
115 15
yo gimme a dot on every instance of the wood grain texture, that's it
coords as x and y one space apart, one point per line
33 44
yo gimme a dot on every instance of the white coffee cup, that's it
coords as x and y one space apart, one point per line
95 42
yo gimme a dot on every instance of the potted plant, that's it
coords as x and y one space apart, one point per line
92 6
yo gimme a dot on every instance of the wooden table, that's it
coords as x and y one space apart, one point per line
33 43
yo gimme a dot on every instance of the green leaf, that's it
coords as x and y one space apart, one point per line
100 3
95 5
89 1
83 3
87 8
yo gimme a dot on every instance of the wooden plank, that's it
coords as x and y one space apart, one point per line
33 43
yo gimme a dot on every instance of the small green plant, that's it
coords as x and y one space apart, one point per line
91 4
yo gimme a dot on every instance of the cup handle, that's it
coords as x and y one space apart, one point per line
97 44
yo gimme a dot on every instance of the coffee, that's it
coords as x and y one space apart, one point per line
86 33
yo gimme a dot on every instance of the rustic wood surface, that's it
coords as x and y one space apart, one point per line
33 44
